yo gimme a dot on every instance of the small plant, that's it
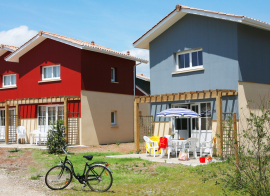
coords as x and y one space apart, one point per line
117 143
131 152
34 177
14 150
165 161
94 146
56 137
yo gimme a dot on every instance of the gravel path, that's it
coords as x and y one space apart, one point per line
16 186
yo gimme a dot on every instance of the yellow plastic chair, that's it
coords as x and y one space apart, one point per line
156 139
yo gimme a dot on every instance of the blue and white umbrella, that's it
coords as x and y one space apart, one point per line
178 112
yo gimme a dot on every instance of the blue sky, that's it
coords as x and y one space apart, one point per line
111 23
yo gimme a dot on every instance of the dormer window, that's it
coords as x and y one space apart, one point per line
51 72
189 59
9 80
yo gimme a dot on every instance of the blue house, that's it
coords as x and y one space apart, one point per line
195 52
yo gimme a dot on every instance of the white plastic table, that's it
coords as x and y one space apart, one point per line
34 135
179 143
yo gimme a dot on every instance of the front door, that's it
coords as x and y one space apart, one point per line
181 125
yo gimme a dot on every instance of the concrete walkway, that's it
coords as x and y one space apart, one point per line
191 162
42 146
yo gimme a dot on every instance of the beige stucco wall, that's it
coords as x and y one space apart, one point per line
144 109
259 93
30 125
96 110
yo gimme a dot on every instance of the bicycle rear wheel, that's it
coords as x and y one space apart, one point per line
99 178
58 177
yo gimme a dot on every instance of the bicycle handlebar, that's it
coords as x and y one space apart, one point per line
66 152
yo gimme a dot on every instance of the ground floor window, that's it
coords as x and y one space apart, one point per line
48 115
113 118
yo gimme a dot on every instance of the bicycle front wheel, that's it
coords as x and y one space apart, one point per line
58 177
99 178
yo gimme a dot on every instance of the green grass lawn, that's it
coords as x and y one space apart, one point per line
133 176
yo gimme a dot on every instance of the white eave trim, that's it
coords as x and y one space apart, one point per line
148 80
142 90
9 58
114 54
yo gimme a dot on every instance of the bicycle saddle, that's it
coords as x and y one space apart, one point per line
89 157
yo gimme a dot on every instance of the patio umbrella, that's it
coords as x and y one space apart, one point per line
178 112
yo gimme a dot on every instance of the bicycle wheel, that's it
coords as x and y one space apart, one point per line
58 177
99 178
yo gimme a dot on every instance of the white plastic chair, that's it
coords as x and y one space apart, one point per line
192 142
206 145
150 145
171 146
21 133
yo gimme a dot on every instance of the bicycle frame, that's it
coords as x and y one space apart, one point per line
81 178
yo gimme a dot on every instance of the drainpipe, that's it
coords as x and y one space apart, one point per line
134 76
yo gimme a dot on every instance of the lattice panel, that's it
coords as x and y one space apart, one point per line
73 128
228 134
14 121
146 129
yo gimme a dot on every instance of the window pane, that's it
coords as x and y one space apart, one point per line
6 80
56 72
203 110
181 61
60 110
195 124
48 72
184 123
208 113
13 80
112 118
112 74
200 58
194 59
186 60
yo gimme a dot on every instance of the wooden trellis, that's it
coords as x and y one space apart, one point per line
206 94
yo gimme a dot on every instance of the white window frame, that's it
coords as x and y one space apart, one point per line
113 79
190 60
52 78
3 82
115 118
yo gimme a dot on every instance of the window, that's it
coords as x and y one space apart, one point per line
9 80
113 74
206 120
113 118
51 72
189 60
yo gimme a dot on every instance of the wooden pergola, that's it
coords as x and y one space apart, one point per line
38 100
205 94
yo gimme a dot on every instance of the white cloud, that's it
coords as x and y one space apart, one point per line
17 36
144 54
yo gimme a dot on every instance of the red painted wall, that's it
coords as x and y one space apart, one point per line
29 70
96 73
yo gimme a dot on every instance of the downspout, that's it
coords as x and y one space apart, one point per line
134 77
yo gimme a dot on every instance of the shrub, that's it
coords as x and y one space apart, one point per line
56 137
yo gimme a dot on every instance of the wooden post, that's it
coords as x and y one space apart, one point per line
136 126
66 118
219 124
17 118
235 141
6 124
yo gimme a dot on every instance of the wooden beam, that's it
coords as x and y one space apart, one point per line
136 127
66 118
219 125
6 124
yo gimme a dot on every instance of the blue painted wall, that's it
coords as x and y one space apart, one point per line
229 105
218 38
253 54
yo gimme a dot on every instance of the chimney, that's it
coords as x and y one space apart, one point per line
128 53
92 43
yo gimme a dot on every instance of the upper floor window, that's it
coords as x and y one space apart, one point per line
113 74
9 80
189 59
51 72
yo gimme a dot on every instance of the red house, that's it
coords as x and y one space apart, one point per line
54 77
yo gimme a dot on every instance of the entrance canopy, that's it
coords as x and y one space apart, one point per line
178 112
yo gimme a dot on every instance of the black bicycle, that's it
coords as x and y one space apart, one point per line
98 176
